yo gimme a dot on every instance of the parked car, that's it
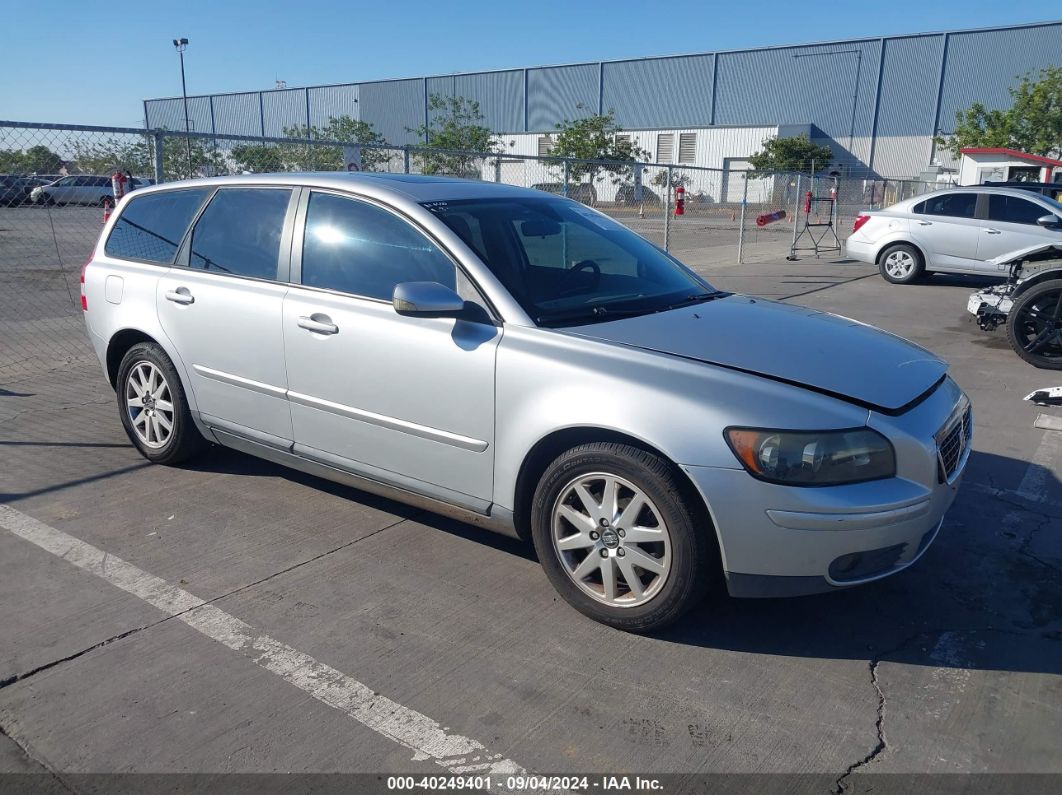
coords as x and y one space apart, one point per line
15 189
530 365
82 189
957 230
583 192
1029 303
628 194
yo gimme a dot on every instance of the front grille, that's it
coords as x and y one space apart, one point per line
953 440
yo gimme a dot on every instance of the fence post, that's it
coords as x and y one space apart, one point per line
158 156
405 157
667 213
565 188
741 228
796 214
497 169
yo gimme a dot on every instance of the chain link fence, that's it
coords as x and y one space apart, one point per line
56 186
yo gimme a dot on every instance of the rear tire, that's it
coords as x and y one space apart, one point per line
901 263
1034 327
153 407
636 572
107 201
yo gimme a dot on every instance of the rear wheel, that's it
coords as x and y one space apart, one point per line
1034 327
153 407
618 537
107 202
901 263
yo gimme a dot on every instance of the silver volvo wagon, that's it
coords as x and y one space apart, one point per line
532 366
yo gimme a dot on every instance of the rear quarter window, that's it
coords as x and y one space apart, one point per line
150 227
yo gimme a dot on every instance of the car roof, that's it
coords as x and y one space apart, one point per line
417 187
1020 192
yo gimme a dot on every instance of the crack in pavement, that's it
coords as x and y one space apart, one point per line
36 760
14 678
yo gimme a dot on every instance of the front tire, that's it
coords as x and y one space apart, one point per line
153 407
901 263
619 538
1034 328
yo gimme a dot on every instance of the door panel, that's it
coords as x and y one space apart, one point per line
413 396
947 231
1011 225
230 339
222 310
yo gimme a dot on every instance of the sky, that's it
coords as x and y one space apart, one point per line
78 62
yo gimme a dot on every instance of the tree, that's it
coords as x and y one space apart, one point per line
258 158
37 159
595 138
791 154
138 156
1032 124
455 125
342 129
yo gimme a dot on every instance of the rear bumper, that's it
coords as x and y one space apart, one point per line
860 250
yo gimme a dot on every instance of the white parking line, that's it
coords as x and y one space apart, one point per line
1045 461
407 727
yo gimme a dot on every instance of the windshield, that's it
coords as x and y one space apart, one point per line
567 264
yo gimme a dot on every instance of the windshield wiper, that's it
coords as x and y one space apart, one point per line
696 298
592 314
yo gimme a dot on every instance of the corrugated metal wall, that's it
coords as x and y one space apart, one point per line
645 93
880 98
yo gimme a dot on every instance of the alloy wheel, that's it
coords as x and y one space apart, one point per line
1039 326
899 264
611 540
150 405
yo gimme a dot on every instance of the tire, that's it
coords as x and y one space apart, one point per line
683 562
1034 325
107 201
147 365
901 263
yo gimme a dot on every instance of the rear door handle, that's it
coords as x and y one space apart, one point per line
925 223
321 324
180 296
992 231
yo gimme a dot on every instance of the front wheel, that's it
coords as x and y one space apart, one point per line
619 538
1034 327
901 264
153 407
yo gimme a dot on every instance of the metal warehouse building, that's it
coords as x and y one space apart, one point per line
877 102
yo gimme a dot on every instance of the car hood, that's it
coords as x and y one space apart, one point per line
1021 253
823 352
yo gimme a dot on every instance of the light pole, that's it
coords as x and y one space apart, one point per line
181 45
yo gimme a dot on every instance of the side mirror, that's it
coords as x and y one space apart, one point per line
1048 221
426 299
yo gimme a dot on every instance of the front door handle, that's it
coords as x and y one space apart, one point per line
321 324
180 296
992 231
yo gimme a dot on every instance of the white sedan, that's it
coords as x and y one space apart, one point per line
959 230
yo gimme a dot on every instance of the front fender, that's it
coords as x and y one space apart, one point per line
549 381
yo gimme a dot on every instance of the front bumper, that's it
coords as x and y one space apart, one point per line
785 541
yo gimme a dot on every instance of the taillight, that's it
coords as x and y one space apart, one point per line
859 221
84 299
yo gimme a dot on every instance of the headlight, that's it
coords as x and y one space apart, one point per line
815 458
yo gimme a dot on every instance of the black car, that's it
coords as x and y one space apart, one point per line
15 189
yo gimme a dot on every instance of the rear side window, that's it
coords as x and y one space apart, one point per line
956 205
239 232
1012 210
357 248
150 228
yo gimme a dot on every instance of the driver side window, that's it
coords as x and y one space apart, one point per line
361 249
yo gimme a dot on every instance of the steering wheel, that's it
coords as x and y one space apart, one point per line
581 286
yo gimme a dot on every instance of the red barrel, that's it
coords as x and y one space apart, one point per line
770 218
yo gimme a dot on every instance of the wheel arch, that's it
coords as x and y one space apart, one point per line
1047 275
553 444
898 241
